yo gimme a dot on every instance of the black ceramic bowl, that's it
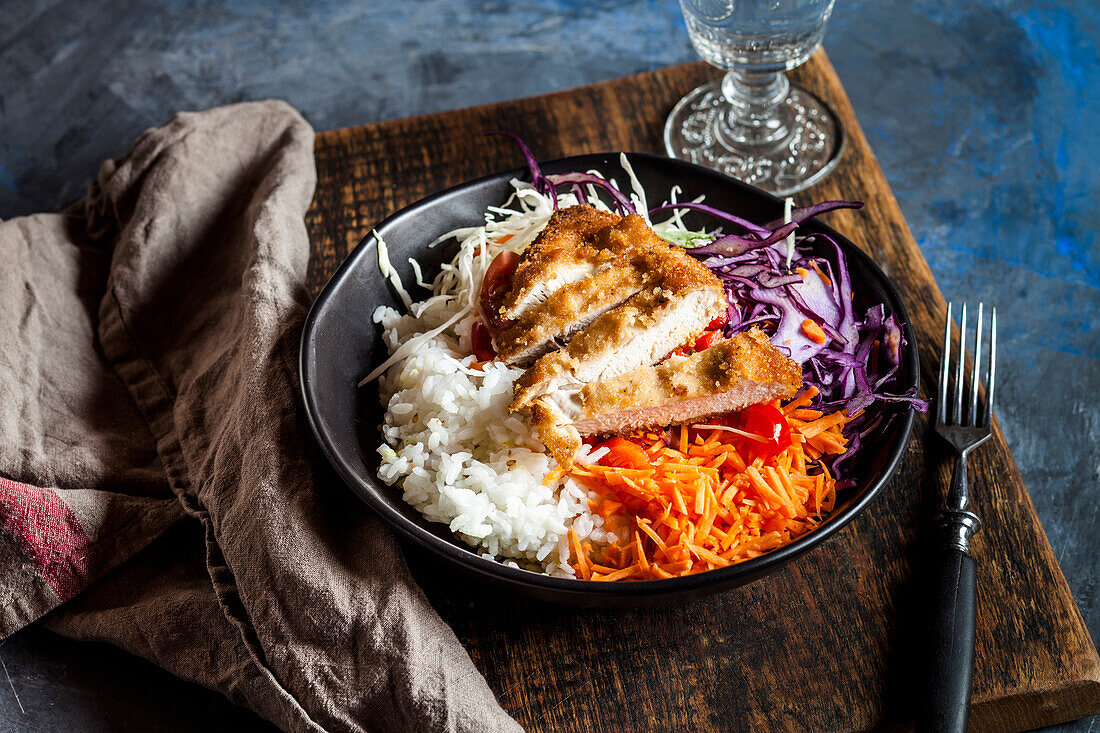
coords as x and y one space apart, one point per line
340 344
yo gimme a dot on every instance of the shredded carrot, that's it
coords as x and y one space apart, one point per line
813 331
812 429
581 564
824 277
639 552
801 400
711 500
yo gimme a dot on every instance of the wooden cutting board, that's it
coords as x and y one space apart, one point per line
833 641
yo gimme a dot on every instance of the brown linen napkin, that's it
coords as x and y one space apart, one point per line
150 427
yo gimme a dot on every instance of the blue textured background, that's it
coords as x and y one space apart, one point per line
982 113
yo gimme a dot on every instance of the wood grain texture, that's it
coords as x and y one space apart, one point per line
833 642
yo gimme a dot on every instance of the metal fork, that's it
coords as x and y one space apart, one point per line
953 619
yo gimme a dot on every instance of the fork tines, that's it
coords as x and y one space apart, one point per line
975 379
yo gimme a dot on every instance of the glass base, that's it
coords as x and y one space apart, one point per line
694 132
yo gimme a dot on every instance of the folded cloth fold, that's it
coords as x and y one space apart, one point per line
153 452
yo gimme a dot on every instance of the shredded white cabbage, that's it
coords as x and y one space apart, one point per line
637 196
735 431
788 208
388 272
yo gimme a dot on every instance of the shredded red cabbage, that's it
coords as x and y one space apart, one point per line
537 179
577 180
548 185
716 213
805 213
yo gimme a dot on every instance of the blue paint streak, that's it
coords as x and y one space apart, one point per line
1069 138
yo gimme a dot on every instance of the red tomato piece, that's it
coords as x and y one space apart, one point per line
483 342
719 322
497 283
768 422
708 339
623 453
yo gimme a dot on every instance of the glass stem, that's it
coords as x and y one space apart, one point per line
755 118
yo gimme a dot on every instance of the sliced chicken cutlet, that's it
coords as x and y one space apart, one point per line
731 375
680 298
630 256
561 254
572 308
640 332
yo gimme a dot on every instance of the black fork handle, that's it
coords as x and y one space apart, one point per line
952 636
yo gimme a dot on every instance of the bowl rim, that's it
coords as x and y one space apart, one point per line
467 557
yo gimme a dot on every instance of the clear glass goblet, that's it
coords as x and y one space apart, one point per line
753 124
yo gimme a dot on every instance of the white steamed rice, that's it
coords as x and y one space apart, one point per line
463 460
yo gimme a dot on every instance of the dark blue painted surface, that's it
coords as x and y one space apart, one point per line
982 113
